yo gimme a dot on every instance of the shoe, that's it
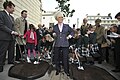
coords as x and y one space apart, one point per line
1 68
28 60
99 62
49 57
57 72
67 74
36 62
116 70
80 68
10 62
92 63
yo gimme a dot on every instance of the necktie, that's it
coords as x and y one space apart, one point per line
25 26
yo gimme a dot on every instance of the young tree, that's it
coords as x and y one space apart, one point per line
65 7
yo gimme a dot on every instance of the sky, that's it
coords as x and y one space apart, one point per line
83 7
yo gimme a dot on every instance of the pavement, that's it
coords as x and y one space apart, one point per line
108 68
62 76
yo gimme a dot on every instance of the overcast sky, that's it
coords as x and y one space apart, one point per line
90 7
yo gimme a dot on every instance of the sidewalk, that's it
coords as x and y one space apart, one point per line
108 67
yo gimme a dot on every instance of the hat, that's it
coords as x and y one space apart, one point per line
118 14
58 14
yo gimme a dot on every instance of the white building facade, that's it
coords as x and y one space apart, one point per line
33 8
48 19
106 20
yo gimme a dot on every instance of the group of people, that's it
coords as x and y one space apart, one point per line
101 36
17 30
107 39
62 34
8 33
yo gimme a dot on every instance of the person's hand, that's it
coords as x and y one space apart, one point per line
23 37
20 35
54 34
112 40
14 33
69 36
118 35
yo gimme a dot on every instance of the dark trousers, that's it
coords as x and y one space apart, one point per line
19 51
4 47
105 51
117 56
39 45
64 58
101 53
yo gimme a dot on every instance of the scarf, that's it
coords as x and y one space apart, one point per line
32 35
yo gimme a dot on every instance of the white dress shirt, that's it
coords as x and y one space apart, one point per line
60 26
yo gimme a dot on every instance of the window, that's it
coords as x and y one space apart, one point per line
43 17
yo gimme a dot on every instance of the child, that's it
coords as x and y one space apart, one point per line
48 44
77 40
92 35
89 44
31 40
93 46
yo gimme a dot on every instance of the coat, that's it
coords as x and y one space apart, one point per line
61 37
6 26
20 27
100 34
84 29
30 40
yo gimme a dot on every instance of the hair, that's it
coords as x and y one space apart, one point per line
118 14
90 26
114 26
50 27
73 25
58 14
39 25
98 20
31 26
8 3
85 19
76 33
23 11
78 29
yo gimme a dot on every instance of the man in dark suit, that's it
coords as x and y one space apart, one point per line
62 32
117 47
7 34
